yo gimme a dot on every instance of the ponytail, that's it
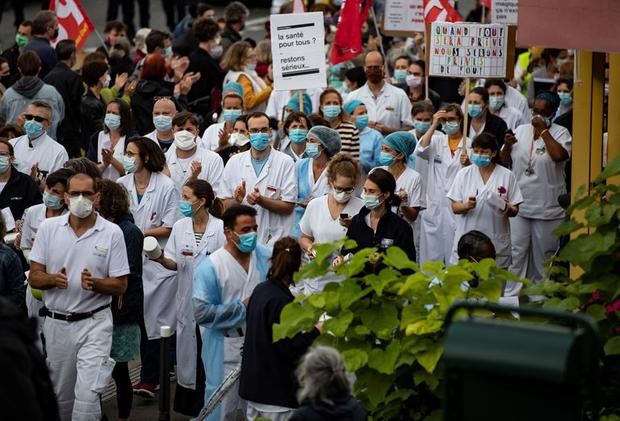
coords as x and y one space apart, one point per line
285 260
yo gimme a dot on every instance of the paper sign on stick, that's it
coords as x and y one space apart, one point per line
403 16
505 12
468 50
298 50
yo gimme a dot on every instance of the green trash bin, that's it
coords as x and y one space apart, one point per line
514 370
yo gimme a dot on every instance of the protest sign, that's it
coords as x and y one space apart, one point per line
403 17
468 50
505 12
298 50
73 22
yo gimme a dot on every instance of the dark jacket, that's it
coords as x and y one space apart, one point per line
268 369
494 125
143 100
20 193
229 37
12 278
208 88
128 307
11 55
69 85
345 408
92 112
121 65
46 53
390 227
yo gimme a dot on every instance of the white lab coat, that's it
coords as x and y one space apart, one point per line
158 207
437 220
103 141
484 217
181 170
277 180
211 137
182 248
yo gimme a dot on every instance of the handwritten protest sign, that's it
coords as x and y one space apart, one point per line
298 50
505 12
403 17
468 50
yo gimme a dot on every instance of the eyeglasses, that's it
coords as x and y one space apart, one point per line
261 130
343 190
8 154
35 118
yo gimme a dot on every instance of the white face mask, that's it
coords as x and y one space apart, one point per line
184 140
80 206
341 197
106 80
238 139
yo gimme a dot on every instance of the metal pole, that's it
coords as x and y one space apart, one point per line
385 64
164 373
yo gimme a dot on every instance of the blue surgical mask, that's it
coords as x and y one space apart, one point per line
474 110
386 159
421 126
297 136
52 201
112 121
5 163
247 242
370 201
565 98
361 122
185 207
250 67
451 127
162 123
331 111
400 75
480 161
259 141
230 116
33 128
312 150
129 164
167 53
496 102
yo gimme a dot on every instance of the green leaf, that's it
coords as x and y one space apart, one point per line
430 357
612 169
421 376
570 303
317 300
384 361
568 227
597 312
350 292
411 314
383 279
361 330
424 327
398 259
356 264
354 359
405 358
583 249
417 283
612 346
339 325
295 318
381 319
377 388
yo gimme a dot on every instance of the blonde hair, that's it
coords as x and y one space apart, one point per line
235 56
263 52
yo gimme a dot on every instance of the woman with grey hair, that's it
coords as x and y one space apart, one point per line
325 392
322 143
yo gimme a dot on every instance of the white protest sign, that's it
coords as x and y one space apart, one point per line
298 51
468 50
403 16
505 12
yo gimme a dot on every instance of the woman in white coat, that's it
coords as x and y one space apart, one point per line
154 206
107 147
186 159
446 153
193 238
484 196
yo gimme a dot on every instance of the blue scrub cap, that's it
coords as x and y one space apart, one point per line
293 103
402 142
328 137
350 106
233 88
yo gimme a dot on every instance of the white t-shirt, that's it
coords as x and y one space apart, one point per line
391 108
32 219
542 188
181 169
48 154
484 217
103 141
101 250
512 117
318 223
410 182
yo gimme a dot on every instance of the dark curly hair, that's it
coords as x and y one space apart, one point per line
114 200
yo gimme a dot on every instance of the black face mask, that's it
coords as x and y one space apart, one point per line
374 75
55 34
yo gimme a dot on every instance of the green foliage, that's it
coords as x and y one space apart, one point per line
596 250
386 317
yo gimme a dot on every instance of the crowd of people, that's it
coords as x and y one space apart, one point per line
179 140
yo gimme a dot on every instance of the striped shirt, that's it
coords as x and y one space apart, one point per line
350 139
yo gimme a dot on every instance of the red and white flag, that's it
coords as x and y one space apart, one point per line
298 6
440 11
73 22
348 38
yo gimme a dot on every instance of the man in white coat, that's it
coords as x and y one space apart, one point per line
223 284
79 261
263 178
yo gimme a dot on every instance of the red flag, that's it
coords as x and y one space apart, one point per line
298 6
348 39
486 3
73 22
440 11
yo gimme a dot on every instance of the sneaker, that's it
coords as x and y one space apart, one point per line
145 390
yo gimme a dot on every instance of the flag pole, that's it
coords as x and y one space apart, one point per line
301 102
374 20
465 117
426 56
105 47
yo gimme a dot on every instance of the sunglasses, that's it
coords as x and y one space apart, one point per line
35 118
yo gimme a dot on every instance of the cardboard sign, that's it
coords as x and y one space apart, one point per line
298 50
403 17
505 12
468 50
